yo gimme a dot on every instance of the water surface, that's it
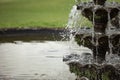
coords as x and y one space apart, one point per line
34 61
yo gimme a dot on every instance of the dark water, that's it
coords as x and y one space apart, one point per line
34 61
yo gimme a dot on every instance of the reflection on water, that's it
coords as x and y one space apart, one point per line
34 61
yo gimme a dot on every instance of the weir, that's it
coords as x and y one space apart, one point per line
103 38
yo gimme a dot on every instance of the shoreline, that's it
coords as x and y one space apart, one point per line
29 34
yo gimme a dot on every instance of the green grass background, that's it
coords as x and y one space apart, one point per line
35 13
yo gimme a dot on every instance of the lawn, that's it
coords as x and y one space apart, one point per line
34 13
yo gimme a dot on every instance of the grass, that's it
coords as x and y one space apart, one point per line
34 13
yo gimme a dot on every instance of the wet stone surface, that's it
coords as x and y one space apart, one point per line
94 72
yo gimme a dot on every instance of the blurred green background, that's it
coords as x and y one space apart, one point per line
34 13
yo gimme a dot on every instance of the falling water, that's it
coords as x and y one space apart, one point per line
74 26
109 35
119 18
72 23
93 33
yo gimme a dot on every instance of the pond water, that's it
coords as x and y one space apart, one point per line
34 61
